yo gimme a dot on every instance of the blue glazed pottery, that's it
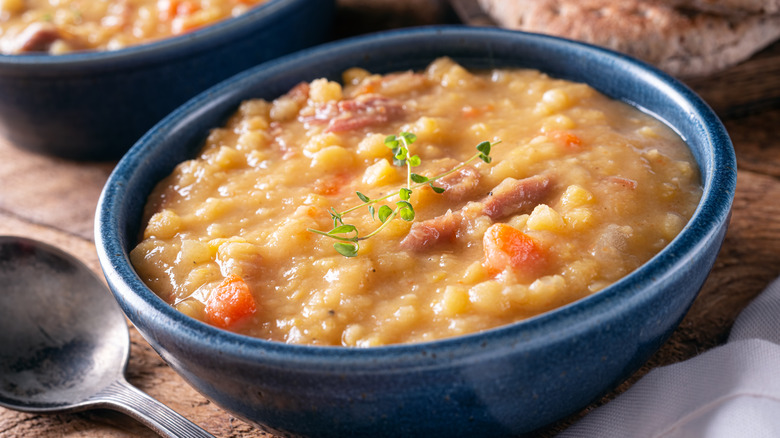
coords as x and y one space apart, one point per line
502 382
95 105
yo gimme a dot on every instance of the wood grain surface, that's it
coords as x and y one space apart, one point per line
54 200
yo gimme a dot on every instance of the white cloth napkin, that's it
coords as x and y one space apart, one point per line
729 391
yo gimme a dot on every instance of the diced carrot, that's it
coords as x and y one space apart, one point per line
470 112
180 15
230 302
366 87
565 138
326 187
333 184
186 8
182 24
166 9
507 247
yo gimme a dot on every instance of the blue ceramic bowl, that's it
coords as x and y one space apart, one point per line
95 105
505 381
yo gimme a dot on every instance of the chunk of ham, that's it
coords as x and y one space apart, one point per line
351 114
425 234
460 185
37 37
299 93
513 196
287 106
510 197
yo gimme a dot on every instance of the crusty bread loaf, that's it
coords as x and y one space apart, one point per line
727 7
684 43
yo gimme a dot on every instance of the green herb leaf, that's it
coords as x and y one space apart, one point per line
384 213
343 229
484 147
436 189
336 217
419 179
363 197
391 142
346 249
408 137
347 245
405 210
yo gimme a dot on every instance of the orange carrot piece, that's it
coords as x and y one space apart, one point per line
565 138
507 247
166 9
470 112
186 8
333 184
230 302
180 25
367 87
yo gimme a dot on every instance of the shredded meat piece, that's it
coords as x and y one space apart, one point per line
461 184
299 93
362 111
512 196
428 233
37 37
287 106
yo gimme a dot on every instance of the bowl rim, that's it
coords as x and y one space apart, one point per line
708 220
157 51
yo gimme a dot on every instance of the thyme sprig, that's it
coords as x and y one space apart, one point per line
348 236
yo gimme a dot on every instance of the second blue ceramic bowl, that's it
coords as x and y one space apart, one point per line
505 381
96 105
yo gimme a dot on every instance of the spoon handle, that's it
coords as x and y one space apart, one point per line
126 398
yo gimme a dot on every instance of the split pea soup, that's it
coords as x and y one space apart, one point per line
62 26
413 206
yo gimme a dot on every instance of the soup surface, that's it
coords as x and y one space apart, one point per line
62 26
576 191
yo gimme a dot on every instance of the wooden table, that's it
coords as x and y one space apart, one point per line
54 200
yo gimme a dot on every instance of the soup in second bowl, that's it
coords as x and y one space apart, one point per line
413 206
62 26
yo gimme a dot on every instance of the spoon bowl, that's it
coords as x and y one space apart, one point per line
64 343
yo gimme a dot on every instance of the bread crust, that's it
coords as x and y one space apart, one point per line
726 7
681 42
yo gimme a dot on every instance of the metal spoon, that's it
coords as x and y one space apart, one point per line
64 342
